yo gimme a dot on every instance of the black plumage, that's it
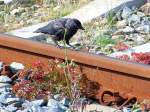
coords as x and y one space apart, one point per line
60 28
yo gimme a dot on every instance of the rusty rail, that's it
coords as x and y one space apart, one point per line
112 74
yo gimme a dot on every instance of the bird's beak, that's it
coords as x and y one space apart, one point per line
82 28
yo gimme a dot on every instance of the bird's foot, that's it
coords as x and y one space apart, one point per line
60 47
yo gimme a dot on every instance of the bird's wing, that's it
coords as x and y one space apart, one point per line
59 35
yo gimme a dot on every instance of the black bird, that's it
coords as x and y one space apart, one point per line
60 28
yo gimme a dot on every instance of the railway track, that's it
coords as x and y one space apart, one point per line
120 82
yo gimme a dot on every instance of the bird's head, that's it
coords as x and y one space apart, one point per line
74 24
79 25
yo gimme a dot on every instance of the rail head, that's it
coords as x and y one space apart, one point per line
105 62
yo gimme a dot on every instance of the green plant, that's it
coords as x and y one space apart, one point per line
103 40
111 19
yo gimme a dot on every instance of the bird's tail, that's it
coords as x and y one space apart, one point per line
37 31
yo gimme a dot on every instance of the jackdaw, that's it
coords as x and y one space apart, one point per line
61 29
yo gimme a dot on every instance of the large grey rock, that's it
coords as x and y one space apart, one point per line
15 67
5 79
126 12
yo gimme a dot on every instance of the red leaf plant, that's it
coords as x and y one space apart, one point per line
121 46
141 57
41 80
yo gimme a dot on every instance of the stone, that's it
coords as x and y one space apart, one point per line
128 29
65 102
140 14
3 89
5 79
143 29
146 8
14 11
121 24
11 108
3 110
12 100
57 97
145 21
118 15
126 12
1 65
15 67
2 98
134 20
27 104
36 108
140 40
19 10
55 106
38 102
125 109
4 85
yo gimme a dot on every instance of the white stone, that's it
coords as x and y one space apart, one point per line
99 108
54 106
2 98
121 24
128 29
143 29
9 100
11 108
4 79
36 108
18 10
15 67
2 85
38 102
140 40
134 18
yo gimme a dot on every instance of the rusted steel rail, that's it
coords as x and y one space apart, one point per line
129 79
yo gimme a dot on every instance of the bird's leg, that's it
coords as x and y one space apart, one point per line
67 42
56 43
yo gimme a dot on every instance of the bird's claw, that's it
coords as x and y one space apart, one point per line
60 47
